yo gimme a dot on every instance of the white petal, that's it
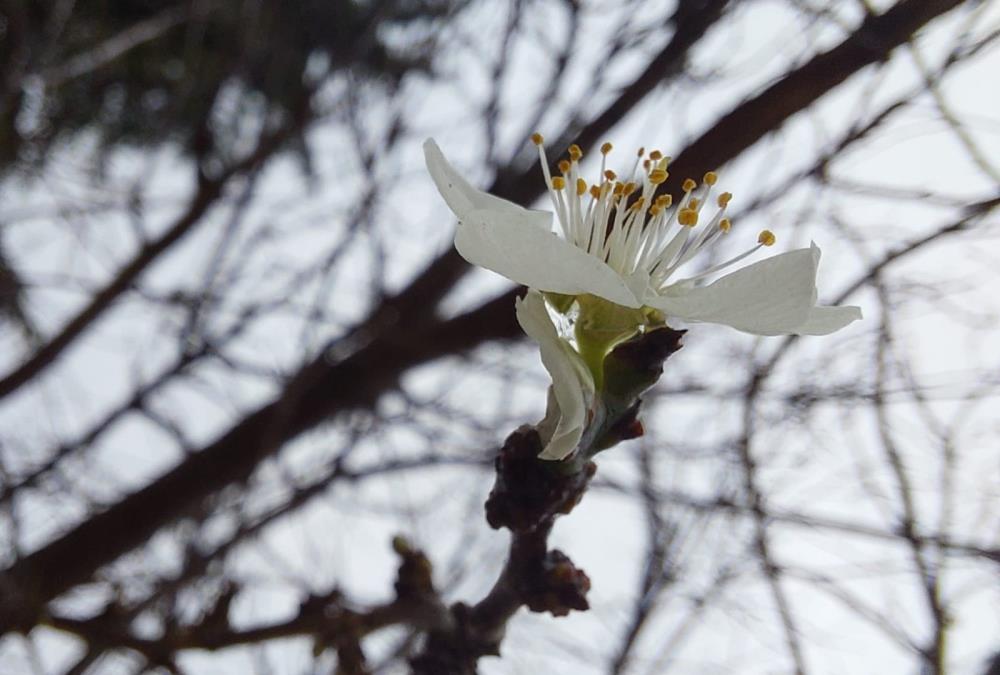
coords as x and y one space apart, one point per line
463 199
771 297
572 384
520 251
519 243
826 320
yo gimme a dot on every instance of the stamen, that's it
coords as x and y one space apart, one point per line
721 266
630 227
687 217
537 139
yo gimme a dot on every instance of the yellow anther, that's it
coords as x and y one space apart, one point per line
656 155
617 189
724 199
610 175
688 217
766 237
558 183
688 185
655 209
581 187
657 176
645 164
537 138
638 204
595 192
606 148
628 189
694 204
575 153
725 224
563 166
710 178
641 152
664 201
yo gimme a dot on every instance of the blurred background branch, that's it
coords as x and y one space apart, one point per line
238 353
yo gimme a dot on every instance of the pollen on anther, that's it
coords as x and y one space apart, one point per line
564 165
610 175
688 185
664 201
694 204
575 153
595 192
558 183
688 217
711 177
581 187
725 224
766 237
640 152
629 188
657 176
606 148
537 138
724 198
656 155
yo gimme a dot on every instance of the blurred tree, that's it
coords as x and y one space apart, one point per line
225 390
143 72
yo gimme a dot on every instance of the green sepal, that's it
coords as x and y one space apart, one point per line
635 365
600 325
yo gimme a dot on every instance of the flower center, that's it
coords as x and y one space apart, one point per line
629 226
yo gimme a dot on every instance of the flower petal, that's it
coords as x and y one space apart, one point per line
463 198
826 320
775 296
572 384
523 253
519 243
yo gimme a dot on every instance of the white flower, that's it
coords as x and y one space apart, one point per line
622 242
572 383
